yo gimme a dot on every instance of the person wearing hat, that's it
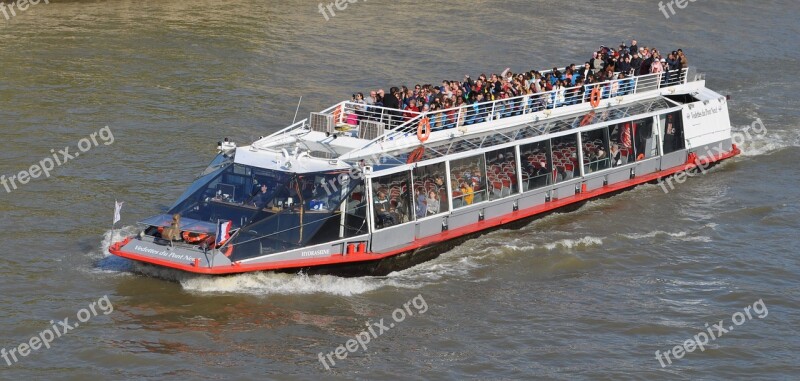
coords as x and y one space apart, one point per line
657 66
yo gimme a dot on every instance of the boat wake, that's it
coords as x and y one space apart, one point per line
461 263
769 144
265 283
268 283
758 141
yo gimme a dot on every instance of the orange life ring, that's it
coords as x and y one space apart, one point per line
424 125
191 237
416 155
587 119
594 97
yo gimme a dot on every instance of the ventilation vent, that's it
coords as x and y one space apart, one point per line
321 122
370 130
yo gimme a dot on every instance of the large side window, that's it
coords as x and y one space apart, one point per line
595 150
672 131
430 190
537 167
501 173
468 180
391 200
644 139
565 157
634 139
354 220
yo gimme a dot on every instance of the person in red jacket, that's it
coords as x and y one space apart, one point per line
411 110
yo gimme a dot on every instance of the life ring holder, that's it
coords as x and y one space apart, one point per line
594 97
424 129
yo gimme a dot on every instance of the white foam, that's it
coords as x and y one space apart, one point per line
681 235
104 262
766 143
266 283
118 235
653 234
574 243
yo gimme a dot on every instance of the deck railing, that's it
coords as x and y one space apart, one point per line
473 114
401 122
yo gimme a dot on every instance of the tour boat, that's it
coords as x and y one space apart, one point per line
365 190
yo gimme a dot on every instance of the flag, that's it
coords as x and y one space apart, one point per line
117 208
223 231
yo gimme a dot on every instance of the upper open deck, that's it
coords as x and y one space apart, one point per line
348 131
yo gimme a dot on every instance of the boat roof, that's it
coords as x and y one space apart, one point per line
326 141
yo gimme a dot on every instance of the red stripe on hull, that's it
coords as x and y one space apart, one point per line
422 242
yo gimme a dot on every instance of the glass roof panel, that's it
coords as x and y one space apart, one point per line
522 131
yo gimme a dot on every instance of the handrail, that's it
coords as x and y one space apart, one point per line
402 122
530 103
283 131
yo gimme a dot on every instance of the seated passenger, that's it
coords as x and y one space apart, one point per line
468 192
420 206
441 190
432 203
615 155
382 211
399 210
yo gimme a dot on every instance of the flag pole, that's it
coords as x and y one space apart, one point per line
213 252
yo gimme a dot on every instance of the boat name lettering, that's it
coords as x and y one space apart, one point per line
165 253
315 253
705 112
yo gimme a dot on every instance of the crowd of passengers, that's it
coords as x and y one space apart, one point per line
571 84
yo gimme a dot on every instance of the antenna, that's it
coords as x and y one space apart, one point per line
297 110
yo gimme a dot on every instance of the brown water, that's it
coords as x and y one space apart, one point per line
586 295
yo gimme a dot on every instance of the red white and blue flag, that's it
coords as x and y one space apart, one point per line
223 231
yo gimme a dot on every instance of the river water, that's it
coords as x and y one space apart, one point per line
591 294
